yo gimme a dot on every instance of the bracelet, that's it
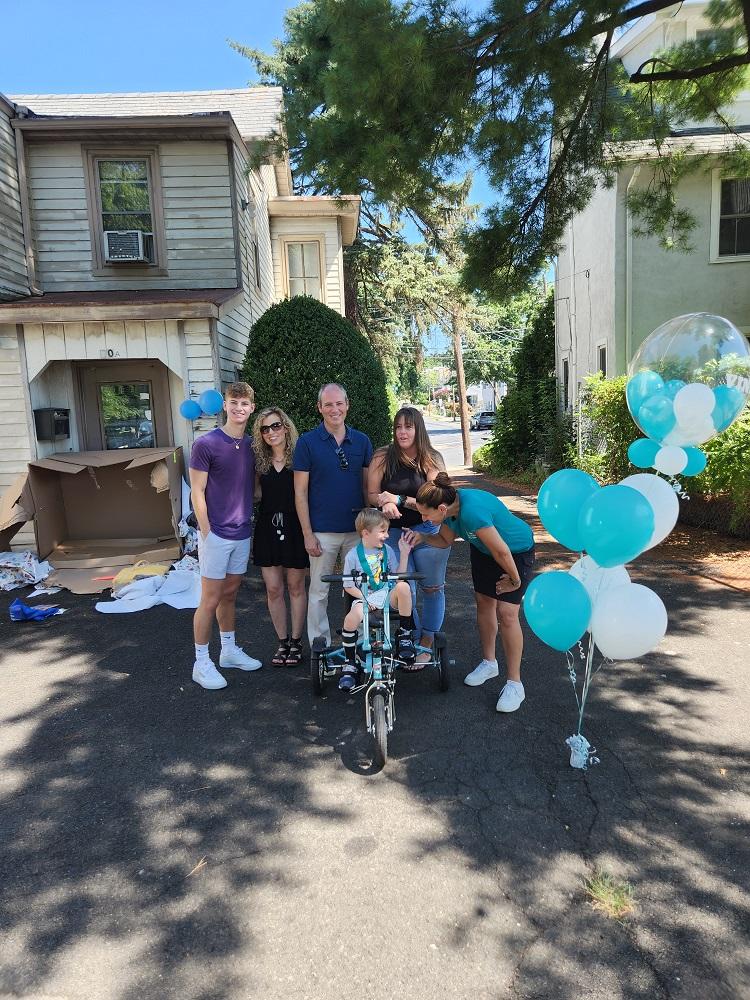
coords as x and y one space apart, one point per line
400 501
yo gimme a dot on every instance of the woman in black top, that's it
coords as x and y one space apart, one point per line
278 544
394 476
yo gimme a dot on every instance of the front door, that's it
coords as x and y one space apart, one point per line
125 405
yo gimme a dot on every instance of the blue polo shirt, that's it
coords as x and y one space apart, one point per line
334 495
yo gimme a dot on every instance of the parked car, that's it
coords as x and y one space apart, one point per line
482 421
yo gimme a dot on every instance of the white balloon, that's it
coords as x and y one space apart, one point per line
692 400
596 579
663 500
628 621
670 460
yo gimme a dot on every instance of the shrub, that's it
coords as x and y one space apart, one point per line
300 344
728 471
606 429
529 438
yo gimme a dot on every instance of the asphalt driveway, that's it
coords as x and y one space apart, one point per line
161 841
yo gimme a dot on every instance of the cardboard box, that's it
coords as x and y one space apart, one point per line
96 511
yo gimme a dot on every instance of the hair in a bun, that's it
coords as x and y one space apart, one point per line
439 491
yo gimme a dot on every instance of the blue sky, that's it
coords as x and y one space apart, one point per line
91 46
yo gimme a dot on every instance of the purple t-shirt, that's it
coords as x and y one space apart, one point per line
231 482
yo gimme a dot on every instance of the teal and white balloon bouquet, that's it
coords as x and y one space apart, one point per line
688 382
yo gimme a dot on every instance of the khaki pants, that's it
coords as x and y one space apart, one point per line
332 545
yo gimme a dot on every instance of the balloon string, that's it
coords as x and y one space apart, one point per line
586 682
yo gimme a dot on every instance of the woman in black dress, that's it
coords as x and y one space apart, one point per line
278 544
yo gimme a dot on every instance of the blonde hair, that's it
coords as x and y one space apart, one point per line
239 390
263 451
369 519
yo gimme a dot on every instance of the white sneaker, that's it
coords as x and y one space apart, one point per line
486 670
206 674
511 697
238 658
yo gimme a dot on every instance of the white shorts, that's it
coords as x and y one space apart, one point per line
219 557
376 599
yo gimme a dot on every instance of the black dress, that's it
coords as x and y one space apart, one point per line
278 540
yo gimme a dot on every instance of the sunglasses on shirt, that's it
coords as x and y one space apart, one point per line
275 426
343 460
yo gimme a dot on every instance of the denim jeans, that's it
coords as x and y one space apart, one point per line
432 563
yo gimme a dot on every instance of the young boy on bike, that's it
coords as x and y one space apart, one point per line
373 558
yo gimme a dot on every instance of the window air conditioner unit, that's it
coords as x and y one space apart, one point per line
123 244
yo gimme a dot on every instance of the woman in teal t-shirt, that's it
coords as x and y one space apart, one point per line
502 565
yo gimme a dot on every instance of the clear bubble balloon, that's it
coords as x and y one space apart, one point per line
689 380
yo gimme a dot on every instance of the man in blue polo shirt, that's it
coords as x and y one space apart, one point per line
330 465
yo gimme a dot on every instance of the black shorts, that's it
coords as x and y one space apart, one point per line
485 573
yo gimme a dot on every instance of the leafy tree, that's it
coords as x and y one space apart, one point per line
299 345
528 433
391 98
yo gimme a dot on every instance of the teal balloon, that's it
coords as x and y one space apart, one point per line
616 525
643 452
640 387
211 401
656 416
696 462
673 386
557 608
729 404
190 410
559 501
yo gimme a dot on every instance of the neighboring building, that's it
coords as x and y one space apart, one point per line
613 288
486 395
137 249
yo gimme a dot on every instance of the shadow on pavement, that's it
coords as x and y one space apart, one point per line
121 776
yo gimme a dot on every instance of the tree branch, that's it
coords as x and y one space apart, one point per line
694 73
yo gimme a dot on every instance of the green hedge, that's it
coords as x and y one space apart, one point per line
529 438
300 344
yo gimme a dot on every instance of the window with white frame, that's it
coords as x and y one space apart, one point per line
565 383
303 269
734 218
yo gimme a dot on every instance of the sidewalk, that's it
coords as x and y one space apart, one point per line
160 841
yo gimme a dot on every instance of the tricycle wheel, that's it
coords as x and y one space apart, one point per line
441 655
317 664
380 729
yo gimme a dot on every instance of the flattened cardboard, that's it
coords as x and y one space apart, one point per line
16 508
78 564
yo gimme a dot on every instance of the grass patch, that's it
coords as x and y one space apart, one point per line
609 895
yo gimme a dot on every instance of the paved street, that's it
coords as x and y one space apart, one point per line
160 841
446 436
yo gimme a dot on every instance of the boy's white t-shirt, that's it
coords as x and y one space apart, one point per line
373 557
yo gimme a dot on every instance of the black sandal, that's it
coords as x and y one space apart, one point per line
279 657
294 654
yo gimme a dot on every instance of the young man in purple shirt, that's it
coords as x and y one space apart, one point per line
222 479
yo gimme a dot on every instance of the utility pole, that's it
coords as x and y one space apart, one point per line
460 377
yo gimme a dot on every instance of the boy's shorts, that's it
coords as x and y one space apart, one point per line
220 557
376 599
485 573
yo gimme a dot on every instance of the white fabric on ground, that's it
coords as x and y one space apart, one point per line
179 589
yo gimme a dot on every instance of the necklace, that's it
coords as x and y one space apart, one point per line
236 441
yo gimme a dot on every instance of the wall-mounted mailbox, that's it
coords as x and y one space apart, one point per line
51 424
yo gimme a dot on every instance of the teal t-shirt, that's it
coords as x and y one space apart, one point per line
480 509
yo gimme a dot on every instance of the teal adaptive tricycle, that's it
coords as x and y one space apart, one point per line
377 661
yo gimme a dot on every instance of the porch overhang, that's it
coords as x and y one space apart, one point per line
71 307
344 207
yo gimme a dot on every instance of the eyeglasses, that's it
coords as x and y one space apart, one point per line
343 460
275 426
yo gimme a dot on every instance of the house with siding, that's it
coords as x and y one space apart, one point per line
613 287
138 245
